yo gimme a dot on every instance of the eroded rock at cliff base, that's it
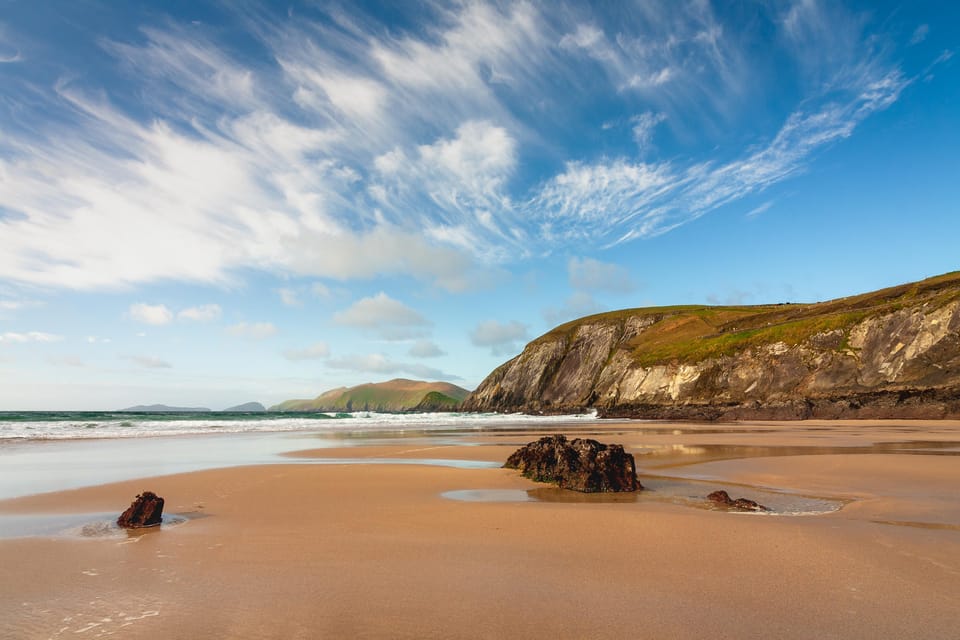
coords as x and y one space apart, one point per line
145 511
580 464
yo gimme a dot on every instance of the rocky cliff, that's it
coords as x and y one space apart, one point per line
893 353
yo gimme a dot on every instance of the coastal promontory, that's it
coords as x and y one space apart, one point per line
398 395
893 353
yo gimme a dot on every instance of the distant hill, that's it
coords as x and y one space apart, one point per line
395 396
893 353
162 408
247 407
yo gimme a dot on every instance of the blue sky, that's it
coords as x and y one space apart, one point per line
205 205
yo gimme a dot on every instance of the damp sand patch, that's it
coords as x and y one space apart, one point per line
80 525
688 493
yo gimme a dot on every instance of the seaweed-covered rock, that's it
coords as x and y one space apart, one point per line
145 511
723 499
579 464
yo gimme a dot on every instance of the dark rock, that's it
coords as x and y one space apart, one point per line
580 464
740 504
145 511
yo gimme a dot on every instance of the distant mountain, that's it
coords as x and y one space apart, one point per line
395 396
247 407
162 408
893 353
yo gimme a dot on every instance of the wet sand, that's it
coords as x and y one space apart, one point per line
305 550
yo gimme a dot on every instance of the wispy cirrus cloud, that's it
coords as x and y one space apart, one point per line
9 50
345 150
920 34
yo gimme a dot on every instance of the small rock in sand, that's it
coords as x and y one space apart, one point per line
145 511
740 504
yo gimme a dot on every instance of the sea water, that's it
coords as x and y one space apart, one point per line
41 452
94 425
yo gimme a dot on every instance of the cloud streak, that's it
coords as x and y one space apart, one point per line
381 364
12 337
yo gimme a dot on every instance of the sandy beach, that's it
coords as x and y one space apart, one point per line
343 550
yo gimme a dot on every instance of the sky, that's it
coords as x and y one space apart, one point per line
210 203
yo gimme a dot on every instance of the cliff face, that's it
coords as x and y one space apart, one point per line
893 353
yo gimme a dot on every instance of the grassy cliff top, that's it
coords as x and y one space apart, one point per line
696 332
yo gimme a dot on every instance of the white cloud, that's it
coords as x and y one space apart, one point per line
425 349
587 274
253 331
29 336
501 338
383 250
920 34
96 340
289 297
643 127
320 290
352 151
586 201
9 52
759 209
155 314
203 313
150 362
316 351
677 56
636 199
389 318
381 364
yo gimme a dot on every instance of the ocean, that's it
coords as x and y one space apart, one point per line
83 425
52 451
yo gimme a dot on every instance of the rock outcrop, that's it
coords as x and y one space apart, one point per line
723 499
579 464
889 354
145 511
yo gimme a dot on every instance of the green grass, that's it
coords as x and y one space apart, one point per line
691 333
726 344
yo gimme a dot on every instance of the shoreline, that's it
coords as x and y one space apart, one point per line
296 549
